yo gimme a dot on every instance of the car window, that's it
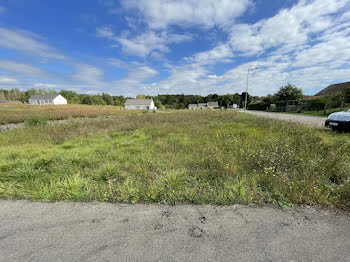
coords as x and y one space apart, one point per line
339 117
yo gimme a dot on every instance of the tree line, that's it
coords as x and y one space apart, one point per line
291 95
161 101
286 94
71 96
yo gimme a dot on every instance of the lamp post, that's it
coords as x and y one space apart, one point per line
246 91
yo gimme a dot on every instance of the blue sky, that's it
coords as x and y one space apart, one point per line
131 47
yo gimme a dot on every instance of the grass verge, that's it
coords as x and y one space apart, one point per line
196 157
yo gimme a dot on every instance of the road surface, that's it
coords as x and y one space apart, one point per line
36 231
317 121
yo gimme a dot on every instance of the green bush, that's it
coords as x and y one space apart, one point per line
260 106
35 122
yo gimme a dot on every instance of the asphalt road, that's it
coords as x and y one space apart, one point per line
34 231
317 121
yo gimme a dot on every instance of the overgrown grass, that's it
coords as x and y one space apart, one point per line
220 157
17 113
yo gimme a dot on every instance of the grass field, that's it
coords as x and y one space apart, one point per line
220 157
17 113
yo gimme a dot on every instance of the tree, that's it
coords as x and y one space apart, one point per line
347 95
289 92
108 99
249 98
140 96
29 93
72 97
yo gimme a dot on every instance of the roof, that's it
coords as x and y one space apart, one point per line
43 96
138 102
309 98
333 89
213 104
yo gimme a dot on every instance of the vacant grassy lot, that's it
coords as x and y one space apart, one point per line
197 157
17 113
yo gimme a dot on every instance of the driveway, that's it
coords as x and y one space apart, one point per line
317 121
35 231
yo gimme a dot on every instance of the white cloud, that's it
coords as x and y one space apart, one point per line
220 53
145 43
307 45
4 80
134 83
90 75
289 29
26 42
21 69
45 85
159 14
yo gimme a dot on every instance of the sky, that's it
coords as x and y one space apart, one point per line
131 47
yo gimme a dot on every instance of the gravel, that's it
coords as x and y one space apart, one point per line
317 121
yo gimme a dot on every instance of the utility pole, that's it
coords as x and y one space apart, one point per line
246 91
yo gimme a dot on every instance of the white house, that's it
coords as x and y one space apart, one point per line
209 105
213 105
202 105
192 106
140 104
47 99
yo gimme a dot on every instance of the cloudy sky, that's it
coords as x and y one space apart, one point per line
131 47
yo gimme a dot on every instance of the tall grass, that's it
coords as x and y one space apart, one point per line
178 157
17 113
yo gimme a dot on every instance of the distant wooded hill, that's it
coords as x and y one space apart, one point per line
334 89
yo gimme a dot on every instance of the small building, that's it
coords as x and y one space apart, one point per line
212 105
140 104
202 105
235 106
47 99
192 106
209 105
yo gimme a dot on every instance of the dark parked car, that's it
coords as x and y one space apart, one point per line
339 121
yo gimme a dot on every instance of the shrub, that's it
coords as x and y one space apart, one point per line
35 122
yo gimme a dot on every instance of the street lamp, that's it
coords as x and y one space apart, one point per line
246 91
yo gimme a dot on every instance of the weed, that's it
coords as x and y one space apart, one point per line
35 122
